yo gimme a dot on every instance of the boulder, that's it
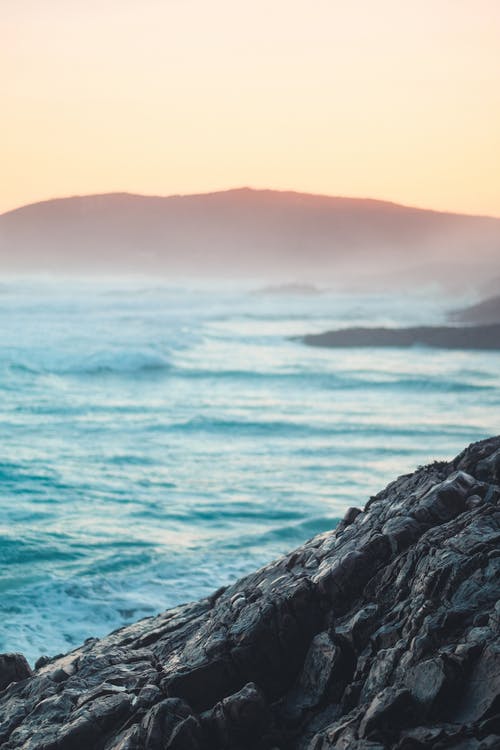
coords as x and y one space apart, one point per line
13 668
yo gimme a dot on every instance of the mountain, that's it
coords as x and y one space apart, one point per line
283 236
482 313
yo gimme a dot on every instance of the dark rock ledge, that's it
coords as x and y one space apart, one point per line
383 633
485 337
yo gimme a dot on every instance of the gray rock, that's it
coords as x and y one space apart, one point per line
13 668
238 720
381 634
391 709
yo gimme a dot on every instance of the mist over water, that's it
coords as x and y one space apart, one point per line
157 441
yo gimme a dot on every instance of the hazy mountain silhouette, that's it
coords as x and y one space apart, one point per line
482 313
258 233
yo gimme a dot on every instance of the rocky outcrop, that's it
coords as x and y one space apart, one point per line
13 668
485 337
383 633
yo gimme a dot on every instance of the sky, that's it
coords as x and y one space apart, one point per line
370 98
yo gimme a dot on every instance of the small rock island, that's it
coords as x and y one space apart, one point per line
485 337
383 633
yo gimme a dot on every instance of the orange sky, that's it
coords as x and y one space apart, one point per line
381 98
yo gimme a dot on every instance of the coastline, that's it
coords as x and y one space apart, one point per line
382 633
483 337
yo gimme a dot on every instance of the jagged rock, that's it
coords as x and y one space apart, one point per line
13 668
170 724
381 634
238 720
390 710
429 680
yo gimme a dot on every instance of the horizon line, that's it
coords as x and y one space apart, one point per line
242 188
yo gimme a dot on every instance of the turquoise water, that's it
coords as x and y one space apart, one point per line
157 441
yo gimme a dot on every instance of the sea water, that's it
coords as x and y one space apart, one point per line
158 440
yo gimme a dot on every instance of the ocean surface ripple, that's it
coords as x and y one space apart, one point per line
160 440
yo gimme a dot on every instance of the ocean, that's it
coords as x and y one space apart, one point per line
158 440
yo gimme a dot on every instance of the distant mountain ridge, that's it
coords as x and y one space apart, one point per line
251 233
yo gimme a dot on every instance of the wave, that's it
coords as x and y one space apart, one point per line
15 551
291 428
123 361
333 381
165 360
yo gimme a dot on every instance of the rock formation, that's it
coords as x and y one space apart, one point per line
383 633
444 337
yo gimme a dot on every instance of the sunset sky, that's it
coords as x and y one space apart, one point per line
380 98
